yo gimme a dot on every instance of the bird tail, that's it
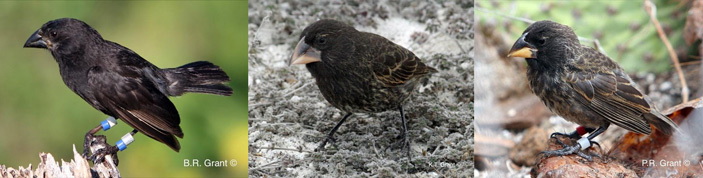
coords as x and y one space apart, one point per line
662 122
198 77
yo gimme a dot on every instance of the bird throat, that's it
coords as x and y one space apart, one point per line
541 66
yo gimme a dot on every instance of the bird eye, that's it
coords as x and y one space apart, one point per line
541 41
53 34
322 40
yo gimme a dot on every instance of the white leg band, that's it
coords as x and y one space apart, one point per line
584 143
126 140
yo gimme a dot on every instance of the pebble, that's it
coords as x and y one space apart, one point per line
650 78
295 99
665 86
465 65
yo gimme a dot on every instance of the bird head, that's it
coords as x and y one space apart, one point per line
58 34
545 40
318 39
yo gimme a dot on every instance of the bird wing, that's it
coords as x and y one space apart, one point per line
138 102
396 65
613 97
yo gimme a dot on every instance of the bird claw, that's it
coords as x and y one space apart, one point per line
585 156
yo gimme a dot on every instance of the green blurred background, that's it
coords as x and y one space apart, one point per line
38 113
623 27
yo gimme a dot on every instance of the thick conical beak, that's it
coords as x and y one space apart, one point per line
35 41
521 48
304 54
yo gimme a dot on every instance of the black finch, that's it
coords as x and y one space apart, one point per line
358 71
583 85
120 83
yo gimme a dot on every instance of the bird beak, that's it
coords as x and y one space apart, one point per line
304 54
35 41
521 48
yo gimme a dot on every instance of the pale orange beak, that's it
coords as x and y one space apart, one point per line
304 54
521 48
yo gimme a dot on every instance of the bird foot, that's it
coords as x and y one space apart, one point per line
570 149
406 145
403 143
324 142
98 145
99 155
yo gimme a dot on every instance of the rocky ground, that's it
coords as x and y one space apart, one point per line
288 117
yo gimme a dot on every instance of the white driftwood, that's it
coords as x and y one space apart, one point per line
76 167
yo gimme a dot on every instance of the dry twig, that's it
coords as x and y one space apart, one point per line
652 11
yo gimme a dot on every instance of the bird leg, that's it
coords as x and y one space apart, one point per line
582 143
404 136
126 140
330 136
406 140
